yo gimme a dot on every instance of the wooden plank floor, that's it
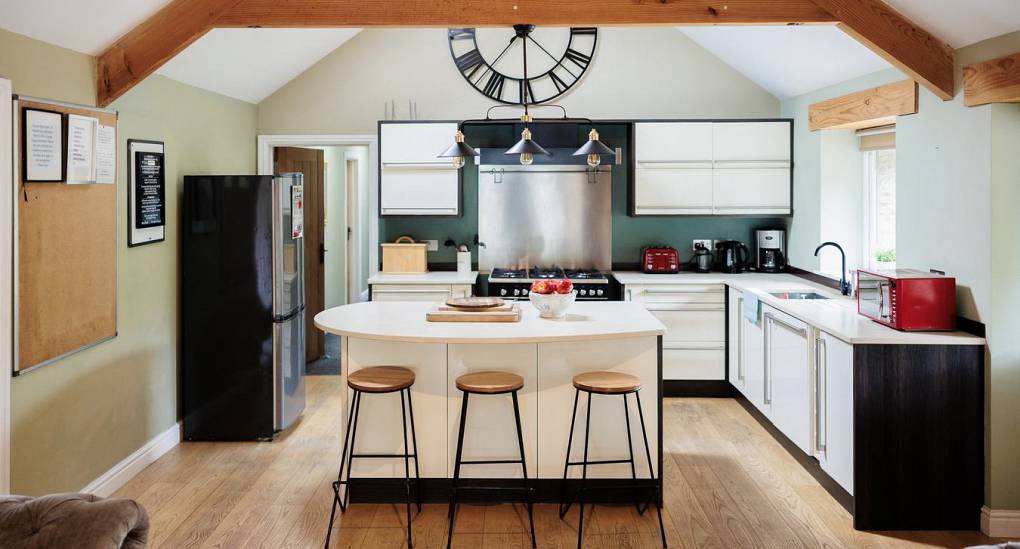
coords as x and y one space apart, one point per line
727 484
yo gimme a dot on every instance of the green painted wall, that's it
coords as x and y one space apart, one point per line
76 418
630 234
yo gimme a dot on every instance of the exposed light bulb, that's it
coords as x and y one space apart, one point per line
593 160
458 162
527 159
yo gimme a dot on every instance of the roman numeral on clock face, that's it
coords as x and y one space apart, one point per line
462 34
494 85
578 58
469 62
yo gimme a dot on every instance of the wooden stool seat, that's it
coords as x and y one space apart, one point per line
607 383
381 379
489 383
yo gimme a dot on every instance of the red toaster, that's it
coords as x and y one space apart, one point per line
660 259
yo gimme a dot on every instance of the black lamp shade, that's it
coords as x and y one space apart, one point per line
459 148
594 147
526 146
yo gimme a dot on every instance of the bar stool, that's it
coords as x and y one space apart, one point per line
489 383
377 380
609 383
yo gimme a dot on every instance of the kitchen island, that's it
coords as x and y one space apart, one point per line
616 336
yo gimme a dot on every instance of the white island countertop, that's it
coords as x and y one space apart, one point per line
836 315
431 277
405 321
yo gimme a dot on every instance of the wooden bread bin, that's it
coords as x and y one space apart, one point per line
405 256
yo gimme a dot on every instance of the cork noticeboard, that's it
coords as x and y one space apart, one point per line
66 258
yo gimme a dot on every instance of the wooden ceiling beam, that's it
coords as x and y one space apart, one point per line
146 47
995 81
892 36
487 13
865 109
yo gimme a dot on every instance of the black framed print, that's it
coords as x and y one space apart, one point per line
146 192
42 146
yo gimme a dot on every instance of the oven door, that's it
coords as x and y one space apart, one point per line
873 293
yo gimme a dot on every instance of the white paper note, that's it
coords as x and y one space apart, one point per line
106 154
81 149
43 140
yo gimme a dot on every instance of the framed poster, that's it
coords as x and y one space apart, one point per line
146 192
42 146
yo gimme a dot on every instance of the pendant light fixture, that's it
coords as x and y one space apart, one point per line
527 147
594 149
459 151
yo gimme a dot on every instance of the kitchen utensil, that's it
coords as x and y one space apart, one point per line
475 302
660 259
510 313
552 305
731 256
702 260
405 256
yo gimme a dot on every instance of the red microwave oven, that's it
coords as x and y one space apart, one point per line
907 299
660 259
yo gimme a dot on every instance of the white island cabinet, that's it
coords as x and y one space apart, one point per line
412 179
615 336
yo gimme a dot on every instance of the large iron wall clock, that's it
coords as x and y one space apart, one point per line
492 60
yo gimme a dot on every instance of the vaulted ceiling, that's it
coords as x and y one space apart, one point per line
251 63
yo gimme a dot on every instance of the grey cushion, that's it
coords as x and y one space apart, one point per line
81 521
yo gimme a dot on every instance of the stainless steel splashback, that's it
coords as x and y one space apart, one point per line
545 215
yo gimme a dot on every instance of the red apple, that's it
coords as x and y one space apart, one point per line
564 286
543 287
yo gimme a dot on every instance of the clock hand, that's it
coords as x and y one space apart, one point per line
498 57
554 58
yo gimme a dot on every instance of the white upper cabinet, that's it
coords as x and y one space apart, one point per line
673 143
712 168
413 181
751 141
415 143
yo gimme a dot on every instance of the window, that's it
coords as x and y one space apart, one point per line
879 204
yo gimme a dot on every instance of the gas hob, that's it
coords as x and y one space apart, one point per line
590 284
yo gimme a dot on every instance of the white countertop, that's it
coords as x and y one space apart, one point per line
837 316
405 321
432 277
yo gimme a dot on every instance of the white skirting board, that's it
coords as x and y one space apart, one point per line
110 481
1000 523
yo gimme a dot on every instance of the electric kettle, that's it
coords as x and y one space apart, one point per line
731 255
702 260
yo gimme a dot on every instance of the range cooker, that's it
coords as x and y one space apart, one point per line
515 284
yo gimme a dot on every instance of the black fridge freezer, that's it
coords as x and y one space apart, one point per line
242 306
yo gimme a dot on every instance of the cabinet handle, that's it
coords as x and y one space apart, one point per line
411 291
682 307
767 397
821 413
740 338
681 291
419 165
799 331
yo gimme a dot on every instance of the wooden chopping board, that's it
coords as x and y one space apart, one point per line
510 312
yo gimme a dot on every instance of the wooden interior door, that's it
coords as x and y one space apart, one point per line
310 163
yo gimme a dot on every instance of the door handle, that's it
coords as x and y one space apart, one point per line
820 404
767 395
322 253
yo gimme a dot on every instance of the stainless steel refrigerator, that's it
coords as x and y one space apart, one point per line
242 306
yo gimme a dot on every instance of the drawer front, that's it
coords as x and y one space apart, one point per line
703 325
678 295
420 191
752 189
410 292
688 364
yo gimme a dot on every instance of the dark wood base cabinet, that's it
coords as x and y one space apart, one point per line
918 437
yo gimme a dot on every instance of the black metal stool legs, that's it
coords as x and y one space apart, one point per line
455 485
653 485
648 454
347 459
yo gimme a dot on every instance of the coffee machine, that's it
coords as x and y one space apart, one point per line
771 254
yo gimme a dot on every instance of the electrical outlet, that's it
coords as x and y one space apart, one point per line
433 245
706 243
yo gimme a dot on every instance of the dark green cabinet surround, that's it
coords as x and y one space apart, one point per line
629 233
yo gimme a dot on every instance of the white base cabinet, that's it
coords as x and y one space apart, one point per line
419 292
694 347
834 412
788 376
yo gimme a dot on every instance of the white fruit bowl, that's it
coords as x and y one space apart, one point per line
552 305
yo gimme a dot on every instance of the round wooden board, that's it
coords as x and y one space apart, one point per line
475 302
